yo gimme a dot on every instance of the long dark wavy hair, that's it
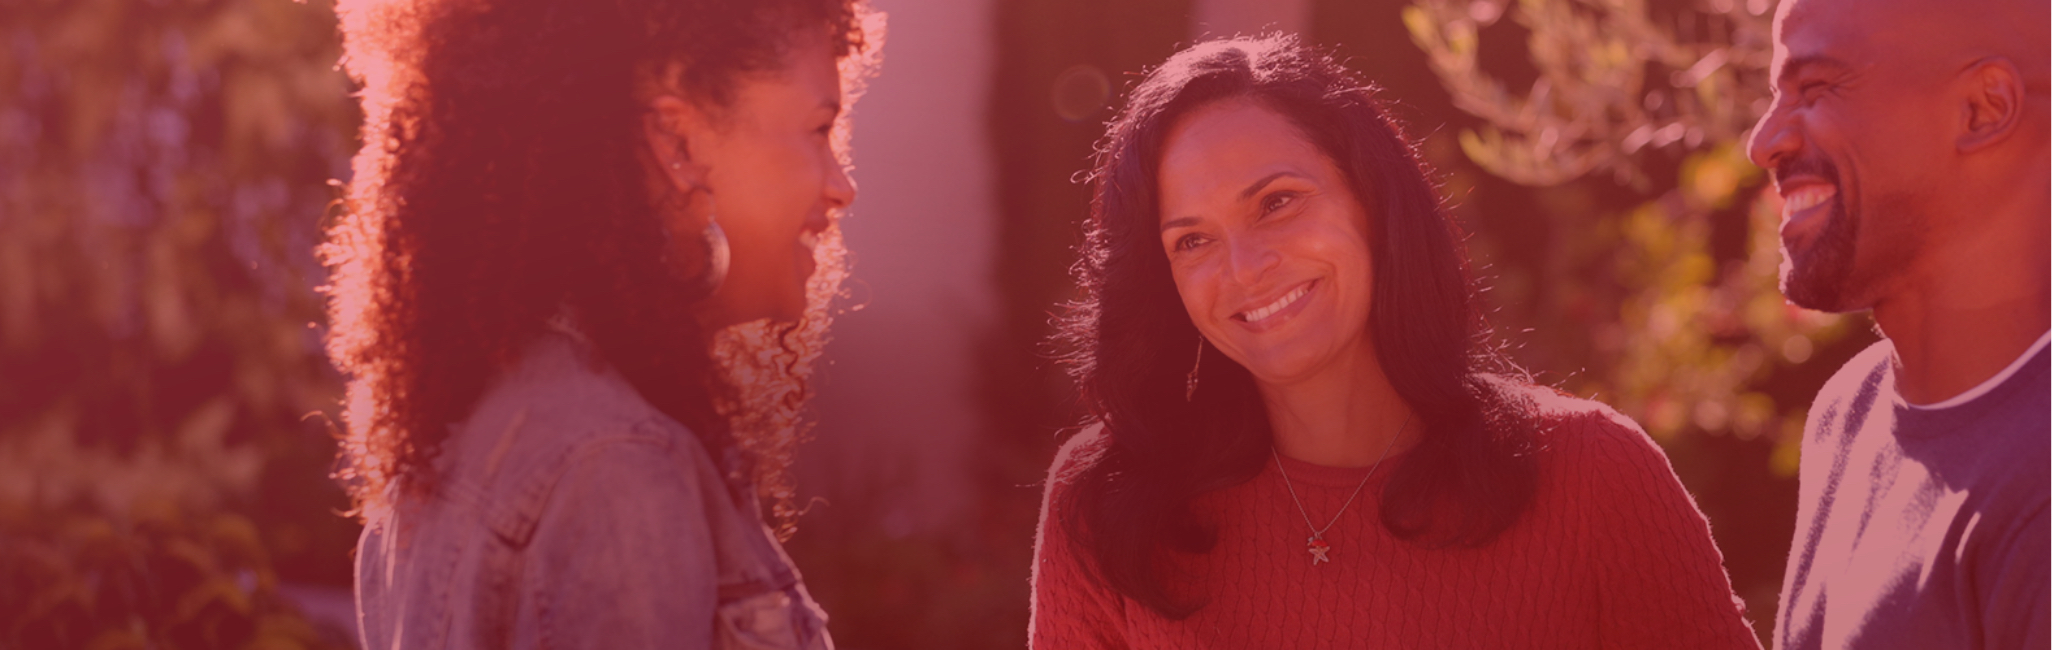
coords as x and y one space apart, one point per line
1128 342
502 179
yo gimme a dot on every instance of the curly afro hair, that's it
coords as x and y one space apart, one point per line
501 180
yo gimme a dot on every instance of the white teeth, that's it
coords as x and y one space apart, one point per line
1806 198
1270 310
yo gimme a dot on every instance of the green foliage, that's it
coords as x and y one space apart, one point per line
163 171
1664 304
1696 328
157 577
1695 334
1612 81
964 583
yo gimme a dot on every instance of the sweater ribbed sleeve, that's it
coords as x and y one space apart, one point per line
1071 609
1661 579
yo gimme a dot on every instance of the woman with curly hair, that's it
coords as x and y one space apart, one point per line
1301 437
557 206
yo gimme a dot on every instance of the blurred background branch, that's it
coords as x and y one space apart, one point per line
163 456
1613 79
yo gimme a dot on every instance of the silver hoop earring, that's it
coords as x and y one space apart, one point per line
1190 384
717 255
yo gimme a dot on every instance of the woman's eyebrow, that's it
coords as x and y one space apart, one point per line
1265 180
1252 189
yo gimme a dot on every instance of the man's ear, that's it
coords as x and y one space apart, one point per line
1994 103
672 127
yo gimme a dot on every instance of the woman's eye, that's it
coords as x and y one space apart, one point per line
1276 201
1187 242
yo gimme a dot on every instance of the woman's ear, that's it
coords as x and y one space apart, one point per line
668 127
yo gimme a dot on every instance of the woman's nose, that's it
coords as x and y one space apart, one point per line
840 187
1249 258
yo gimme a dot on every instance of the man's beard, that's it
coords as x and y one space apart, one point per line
1820 277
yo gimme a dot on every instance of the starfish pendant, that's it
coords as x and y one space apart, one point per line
1318 549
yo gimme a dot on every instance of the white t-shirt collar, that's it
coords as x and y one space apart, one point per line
1974 393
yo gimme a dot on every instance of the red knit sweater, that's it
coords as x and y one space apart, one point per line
1611 554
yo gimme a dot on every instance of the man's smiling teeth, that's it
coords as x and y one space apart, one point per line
1807 197
1273 307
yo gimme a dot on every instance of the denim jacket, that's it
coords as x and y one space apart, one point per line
569 513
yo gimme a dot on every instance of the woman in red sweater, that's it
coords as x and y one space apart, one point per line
1301 437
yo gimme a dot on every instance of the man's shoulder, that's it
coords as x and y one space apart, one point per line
1847 399
1862 378
2023 391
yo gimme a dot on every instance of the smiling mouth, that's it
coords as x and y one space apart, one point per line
1806 197
1801 210
1258 314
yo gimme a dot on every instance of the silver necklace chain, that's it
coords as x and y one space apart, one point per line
1319 533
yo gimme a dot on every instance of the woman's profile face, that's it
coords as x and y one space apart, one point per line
774 182
1267 242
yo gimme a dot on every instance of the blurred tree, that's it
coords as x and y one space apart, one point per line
1612 80
1667 309
965 584
163 171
